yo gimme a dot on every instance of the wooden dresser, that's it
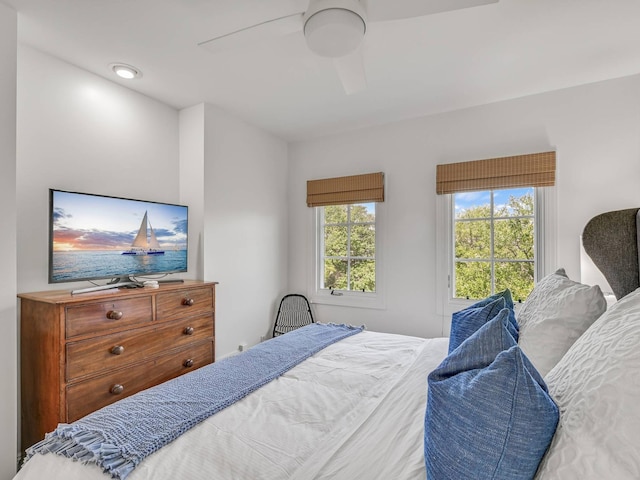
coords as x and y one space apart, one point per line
81 352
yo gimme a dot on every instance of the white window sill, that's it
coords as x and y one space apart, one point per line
347 299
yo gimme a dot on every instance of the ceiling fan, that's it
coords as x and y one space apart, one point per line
336 29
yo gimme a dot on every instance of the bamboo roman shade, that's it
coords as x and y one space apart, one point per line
344 190
532 170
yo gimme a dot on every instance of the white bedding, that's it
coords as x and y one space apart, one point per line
354 410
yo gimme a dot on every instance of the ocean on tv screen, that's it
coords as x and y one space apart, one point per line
68 266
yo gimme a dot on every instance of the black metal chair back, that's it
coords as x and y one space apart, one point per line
294 312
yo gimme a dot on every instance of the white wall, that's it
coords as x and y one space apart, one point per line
594 128
245 227
192 183
80 132
8 281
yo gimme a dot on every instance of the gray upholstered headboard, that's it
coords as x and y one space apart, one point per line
611 240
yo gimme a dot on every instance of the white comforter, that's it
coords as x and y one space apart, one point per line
354 410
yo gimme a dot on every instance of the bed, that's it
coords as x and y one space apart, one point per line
382 406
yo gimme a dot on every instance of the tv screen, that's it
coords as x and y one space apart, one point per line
98 237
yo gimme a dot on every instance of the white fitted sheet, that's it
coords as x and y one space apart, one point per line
353 410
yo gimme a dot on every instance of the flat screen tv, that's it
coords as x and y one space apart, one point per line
93 237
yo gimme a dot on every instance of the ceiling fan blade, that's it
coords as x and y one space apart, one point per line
350 69
381 10
255 33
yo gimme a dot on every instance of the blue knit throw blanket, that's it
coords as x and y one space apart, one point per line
118 437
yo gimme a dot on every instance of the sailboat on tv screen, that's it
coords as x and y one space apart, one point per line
145 242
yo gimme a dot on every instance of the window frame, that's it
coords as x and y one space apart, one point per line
545 241
346 298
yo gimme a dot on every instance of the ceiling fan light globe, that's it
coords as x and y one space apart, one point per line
334 32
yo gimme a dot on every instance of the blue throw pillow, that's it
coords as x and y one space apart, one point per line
489 414
467 321
508 300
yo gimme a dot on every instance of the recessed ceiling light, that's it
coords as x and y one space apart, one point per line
125 71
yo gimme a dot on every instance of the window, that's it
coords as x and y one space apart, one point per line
347 213
496 224
459 271
494 243
347 247
347 255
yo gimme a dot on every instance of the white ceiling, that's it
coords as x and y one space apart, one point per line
414 67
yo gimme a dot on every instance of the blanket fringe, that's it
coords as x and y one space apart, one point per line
85 447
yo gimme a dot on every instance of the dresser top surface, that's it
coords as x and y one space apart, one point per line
65 296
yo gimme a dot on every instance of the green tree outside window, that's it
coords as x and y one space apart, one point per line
349 247
494 234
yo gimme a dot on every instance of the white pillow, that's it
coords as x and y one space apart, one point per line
596 385
555 314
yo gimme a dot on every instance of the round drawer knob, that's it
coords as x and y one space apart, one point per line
188 302
189 331
116 389
117 350
114 315
188 363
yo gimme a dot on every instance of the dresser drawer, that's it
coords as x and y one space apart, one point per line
114 351
95 318
193 301
90 395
